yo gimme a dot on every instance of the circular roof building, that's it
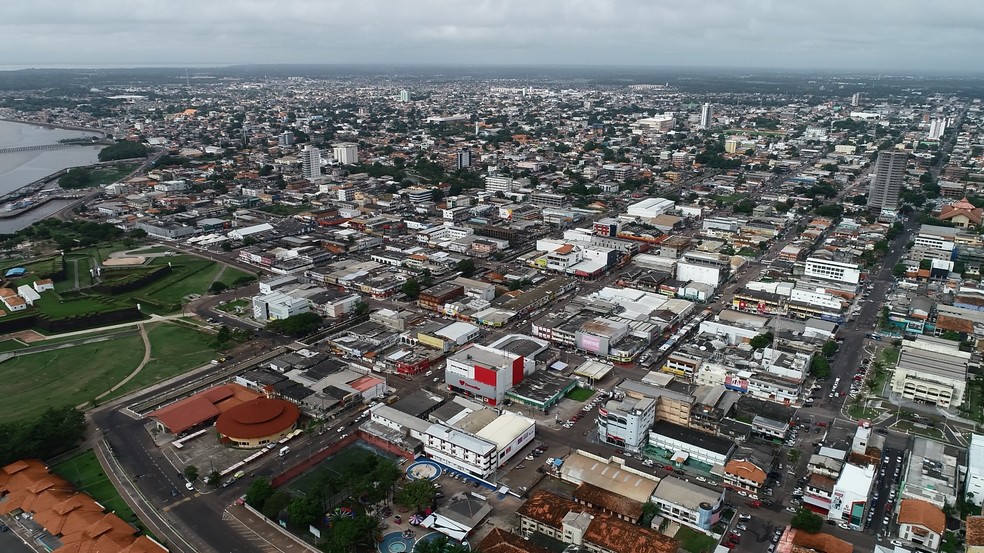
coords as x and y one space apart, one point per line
257 422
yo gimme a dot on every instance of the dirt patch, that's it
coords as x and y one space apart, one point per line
128 261
28 336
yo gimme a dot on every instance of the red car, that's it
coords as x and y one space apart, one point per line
821 424
668 467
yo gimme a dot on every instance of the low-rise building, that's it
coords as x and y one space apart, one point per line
932 370
921 523
688 503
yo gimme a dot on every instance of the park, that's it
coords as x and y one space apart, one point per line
105 321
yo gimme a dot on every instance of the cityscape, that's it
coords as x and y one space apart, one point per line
524 307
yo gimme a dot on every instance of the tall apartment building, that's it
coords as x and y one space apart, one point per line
404 96
705 116
311 162
463 158
886 183
346 153
856 99
936 128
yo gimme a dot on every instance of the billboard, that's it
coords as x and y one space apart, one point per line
591 343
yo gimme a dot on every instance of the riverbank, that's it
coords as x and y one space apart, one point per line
99 132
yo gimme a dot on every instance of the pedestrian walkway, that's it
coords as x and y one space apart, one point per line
260 531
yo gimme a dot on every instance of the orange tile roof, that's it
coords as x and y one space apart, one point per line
548 508
500 541
620 536
975 530
746 470
823 543
923 513
608 501
194 410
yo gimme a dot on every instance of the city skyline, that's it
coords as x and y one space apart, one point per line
876 36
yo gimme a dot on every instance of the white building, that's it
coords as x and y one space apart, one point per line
932 370
311 162
649 208
346 153
688 503
974 483
832 270
705 116
625 422
498 184
921 523
404 96
482 453
936 128
278 305
849 499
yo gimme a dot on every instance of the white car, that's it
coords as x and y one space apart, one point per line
741 526
897 543
744 516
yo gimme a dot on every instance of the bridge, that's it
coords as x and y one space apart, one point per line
46 147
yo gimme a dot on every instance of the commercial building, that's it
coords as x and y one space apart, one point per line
257 423
887 180
486 373
832 270
346 153
932 370
682 444
278 305
495 183
202 408
482 452
931 473
311 162
974 483
849 499
625 422
689 504
744 476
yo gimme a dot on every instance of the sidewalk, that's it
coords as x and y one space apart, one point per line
260 531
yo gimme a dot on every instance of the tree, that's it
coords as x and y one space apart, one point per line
304 511
416 494
138 234
226 247
829 348
124 149
297 325
411 288
213 478
218 287
276 504
440 544
223 337
52 433
807 521
649 512
191 473
466 267
899 270
761 341
259 491
77 177
819 367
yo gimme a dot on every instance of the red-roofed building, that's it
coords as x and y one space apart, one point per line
202 407
73 519
744 475
257 422
921 522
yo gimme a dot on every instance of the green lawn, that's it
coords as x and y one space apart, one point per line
694 541
68 376
580 394
52 306
352 455
192 275
85 473
11 345
111 174
174 349
236 306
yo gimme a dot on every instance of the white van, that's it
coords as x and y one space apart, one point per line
284 450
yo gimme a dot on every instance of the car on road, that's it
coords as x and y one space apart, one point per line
741 526
189 486
897 543
744 516
790 509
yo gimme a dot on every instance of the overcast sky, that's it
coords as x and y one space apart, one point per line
882 35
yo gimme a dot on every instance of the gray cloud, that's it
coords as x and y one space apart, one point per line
889 35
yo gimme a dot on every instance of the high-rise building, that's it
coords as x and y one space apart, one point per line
705 116
856 99
936 128
463 159
404 96
494 183
286 139
886 183
347 153
311 162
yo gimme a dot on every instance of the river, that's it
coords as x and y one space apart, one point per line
20 168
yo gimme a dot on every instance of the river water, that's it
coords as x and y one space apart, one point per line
20 168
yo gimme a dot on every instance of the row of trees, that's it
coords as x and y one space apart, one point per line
297 325
124 149
52 433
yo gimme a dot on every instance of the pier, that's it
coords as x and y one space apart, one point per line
40 147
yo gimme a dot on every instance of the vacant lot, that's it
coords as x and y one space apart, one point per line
68 376
580 394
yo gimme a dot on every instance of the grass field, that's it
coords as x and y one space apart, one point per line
580 394
68 376
349 456
11 345
694 541
192 275
87 475
50 305
111 174
174 349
